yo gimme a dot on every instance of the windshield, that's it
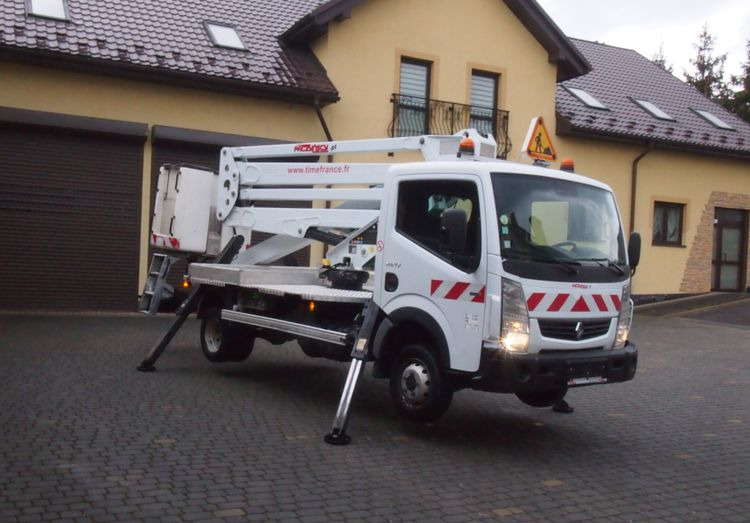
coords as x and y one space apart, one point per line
556 221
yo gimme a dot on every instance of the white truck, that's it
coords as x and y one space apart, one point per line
459 271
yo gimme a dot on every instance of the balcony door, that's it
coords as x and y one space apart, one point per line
413 98
730 250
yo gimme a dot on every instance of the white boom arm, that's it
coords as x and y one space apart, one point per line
183 205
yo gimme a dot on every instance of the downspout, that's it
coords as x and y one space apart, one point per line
634 183
323 123
327 132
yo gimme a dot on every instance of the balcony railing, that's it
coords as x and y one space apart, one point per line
413 116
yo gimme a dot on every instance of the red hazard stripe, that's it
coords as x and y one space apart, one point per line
558 303
479 298
600 303
534 300
435 285
580 306
456 291
616 301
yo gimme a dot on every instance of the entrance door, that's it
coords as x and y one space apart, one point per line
730 250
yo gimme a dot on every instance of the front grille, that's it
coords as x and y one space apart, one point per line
568 330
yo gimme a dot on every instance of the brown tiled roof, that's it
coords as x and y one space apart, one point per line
621 75
166 39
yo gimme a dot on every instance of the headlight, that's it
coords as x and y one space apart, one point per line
514 332
623 322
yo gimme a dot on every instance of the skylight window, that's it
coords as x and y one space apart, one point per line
224 36
586 98
56 9
653 109
715 120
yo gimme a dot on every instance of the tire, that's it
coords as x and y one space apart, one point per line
542 398
225 341
418 389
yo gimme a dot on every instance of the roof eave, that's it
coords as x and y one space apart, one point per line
565 128
561 51
315 23
132 71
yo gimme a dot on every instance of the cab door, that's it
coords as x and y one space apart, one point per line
418 274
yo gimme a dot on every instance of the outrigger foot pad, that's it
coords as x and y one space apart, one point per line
145 367
337 438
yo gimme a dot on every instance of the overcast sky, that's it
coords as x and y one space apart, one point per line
645 24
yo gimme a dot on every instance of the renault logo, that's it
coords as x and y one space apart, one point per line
579 330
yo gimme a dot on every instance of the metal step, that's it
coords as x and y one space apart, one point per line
298 329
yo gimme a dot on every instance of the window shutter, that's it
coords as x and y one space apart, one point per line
483 89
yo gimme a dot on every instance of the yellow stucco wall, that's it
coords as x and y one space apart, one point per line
71 93
362 56
681 178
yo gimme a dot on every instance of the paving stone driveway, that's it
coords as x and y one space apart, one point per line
84 437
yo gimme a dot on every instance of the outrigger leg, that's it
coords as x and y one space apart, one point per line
360 354
188 306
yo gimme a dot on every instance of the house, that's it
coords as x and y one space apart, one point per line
95 96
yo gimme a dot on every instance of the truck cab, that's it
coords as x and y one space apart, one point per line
528 294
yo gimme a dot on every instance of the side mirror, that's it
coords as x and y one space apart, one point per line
634 250
453 230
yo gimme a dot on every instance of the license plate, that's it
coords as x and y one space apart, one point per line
587 381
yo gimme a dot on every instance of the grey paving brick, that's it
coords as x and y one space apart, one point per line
84 437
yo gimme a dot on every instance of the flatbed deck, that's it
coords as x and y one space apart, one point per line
278 281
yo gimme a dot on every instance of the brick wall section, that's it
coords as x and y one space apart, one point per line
697 276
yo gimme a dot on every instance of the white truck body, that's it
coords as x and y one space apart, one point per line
533 300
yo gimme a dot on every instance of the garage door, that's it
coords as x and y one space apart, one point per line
168 151
69 219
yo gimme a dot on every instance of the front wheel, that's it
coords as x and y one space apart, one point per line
418 388
542 398
224 341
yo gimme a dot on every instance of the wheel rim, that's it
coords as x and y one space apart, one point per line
415 384
213 335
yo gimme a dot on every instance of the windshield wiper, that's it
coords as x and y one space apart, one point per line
570 266
610 264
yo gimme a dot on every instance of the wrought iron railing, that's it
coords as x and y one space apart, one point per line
413 116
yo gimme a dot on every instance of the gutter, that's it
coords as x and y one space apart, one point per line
634 182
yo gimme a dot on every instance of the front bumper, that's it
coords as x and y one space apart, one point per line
501 371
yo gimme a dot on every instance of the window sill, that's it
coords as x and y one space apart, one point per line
661 244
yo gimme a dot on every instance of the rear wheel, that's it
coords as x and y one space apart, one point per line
418 388
225 341
542 398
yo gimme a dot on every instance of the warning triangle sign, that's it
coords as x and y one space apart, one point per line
538 144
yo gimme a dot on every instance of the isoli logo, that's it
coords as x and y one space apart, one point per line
312 148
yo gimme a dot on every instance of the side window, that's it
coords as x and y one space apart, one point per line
420 207
668 218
